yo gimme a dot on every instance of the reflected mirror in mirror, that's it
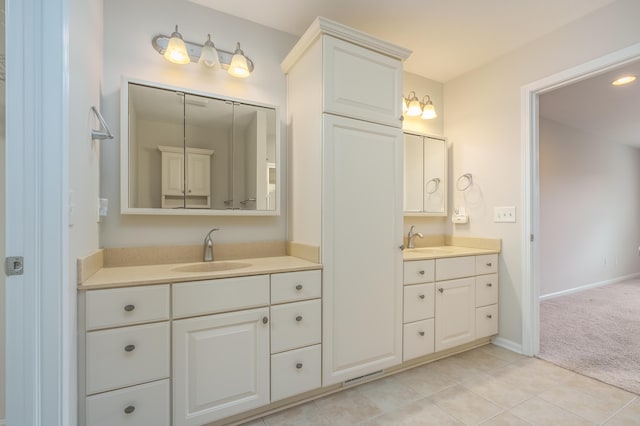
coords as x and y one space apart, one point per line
193 153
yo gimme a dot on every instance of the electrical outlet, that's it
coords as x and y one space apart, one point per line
504 214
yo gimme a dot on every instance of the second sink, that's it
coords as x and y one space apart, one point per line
211 266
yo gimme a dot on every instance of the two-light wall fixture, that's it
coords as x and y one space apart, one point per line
175 49
412 107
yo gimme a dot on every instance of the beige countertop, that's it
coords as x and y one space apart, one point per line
123 276
423 253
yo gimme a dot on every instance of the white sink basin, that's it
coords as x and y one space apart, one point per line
211 266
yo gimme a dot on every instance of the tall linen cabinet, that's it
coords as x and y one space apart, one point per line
345 190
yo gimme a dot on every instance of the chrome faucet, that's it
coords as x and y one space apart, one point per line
208 246
412 235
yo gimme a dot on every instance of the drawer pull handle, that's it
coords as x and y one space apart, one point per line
489 285
421 272
489 316
265 320
130 409
489 264
129 308
130 348
441 290
299 287
421 333
299 365
421 296
299 318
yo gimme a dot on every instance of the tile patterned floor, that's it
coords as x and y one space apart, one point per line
486 386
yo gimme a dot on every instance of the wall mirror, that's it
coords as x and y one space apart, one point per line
425 175
194 153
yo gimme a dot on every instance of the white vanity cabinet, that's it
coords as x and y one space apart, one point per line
191 189
344 91
418 309
425 175
125 356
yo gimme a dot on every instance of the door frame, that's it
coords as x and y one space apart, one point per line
531 181
39 383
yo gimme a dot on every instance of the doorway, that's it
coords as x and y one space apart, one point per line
531 182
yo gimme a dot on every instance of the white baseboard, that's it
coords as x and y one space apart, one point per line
589 286
507 344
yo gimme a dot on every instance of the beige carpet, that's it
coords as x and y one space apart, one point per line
595 333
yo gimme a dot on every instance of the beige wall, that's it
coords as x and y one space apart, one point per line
483 124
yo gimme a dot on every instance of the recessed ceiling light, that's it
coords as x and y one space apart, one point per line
624 80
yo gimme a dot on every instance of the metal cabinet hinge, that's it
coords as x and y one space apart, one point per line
14 265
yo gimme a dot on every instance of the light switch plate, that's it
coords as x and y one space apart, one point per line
504 214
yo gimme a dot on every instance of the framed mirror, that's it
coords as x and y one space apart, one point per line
195 153
425 175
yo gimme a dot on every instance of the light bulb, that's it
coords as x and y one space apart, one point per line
624 80
209 55
176 50
414 109
238 66
429 112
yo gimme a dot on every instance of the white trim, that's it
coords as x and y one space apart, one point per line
589 286
507 344
530 182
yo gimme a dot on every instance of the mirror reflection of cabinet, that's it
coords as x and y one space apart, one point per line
191 153
425 175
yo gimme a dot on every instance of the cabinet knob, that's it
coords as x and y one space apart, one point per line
299 365
441 290
265 320
421 296
489 316
421 272
189 191
421 333
129 308
130 348
299 318
299 287
489 285
129 409
489 264
401 247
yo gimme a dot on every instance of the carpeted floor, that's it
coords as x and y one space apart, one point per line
596 333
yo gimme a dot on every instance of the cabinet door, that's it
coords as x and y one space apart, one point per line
434 187
220 365
198 174
413 173
172 173
360 83
361 235
455 313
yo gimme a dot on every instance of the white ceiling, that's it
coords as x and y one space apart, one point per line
447 37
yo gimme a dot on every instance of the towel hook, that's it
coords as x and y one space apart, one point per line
100 134
464 182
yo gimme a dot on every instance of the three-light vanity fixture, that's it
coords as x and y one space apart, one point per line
175 49
412 107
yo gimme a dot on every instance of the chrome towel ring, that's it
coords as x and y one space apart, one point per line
464 182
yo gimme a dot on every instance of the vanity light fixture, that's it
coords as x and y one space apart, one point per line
412 107
624 80
175 49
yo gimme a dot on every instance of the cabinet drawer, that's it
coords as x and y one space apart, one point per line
486 264
294 325
127 356
211 296
418 271
124 306
418 339
292 286
347 93
418 302
486 321
294 372
455 267
487 290
141 405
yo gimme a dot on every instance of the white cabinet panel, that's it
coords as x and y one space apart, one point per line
419 271
143 405
425 175
295 324
487 264
486 290
413 173
126 356
198 174
362 232
455 313
220 365
418 339
418 302
486 321
455 267
361 83
294 372
125 306
292 286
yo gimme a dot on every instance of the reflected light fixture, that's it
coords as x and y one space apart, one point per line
179 51
412 107
176 50
624 80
